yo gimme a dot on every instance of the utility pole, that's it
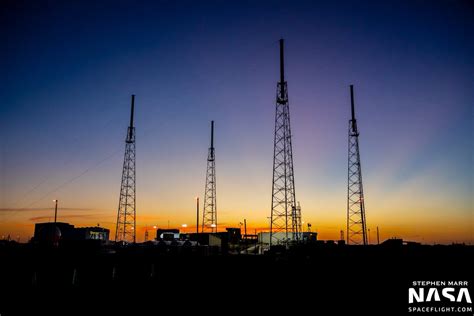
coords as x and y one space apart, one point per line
209 218
378 236
54 237
197 217
126 224
245 228
55 211
356 223
285 221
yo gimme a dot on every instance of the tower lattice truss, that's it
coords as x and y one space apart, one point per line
126 224
209 222
356 223
285 216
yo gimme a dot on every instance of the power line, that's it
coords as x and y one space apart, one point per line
71 180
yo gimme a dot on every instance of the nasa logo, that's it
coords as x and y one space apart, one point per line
433 294
445 296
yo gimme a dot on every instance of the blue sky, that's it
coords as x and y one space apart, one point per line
70 68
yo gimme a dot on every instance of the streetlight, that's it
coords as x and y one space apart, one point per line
55 210
197 216
53 231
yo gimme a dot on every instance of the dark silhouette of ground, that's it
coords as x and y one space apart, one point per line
88 278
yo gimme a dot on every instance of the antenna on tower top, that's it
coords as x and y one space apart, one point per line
352 102
212 135
133 109
282 64
130 129
282 70
353 120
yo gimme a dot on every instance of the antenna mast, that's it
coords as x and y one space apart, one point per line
285 223
356 224
126 224
209 220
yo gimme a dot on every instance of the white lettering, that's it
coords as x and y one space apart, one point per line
446 294
433 292
466 295
418 296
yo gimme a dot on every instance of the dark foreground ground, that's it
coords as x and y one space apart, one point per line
329 280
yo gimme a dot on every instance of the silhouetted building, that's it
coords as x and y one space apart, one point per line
91 233
167 234
52 232
234 235
264 237
219 240
55 232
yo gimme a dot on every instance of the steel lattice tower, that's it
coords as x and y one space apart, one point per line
356 224
126 224
285 222
209 216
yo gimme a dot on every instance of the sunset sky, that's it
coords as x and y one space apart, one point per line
69 68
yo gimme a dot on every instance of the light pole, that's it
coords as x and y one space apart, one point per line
53 230
245 228
155 229
369 236
378 237
197 217
55 210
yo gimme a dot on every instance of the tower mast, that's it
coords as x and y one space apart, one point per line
126 224
209 219
285 223
356 223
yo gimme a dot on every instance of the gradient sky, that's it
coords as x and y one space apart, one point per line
69 68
